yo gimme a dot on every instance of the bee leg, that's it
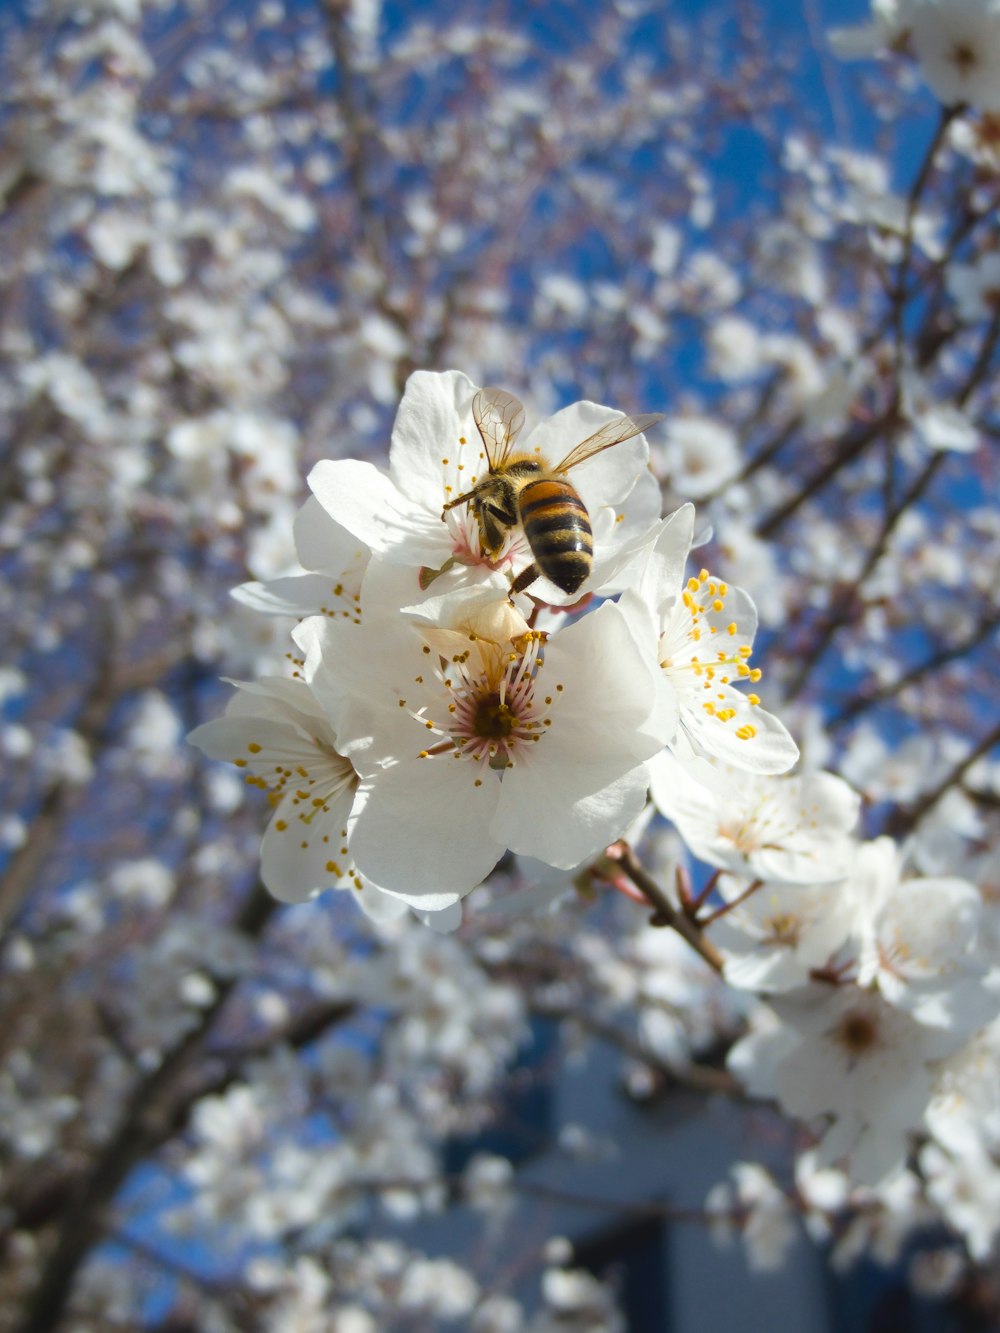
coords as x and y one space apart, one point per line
524 580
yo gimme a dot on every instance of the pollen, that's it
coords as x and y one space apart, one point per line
493 709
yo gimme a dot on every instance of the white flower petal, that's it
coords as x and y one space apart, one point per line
369 505
580 826
436 410
297 860
422 832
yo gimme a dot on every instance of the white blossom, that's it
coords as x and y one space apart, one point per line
437 454
703 632
957 43
480 736
782 829
846 1053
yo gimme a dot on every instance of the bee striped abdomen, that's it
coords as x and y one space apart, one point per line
557 527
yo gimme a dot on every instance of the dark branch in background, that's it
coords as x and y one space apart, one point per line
902 821
862 702
948 114
92 723
698 1078
850 599
148 1118
855 443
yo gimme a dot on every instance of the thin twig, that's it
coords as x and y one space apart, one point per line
664 912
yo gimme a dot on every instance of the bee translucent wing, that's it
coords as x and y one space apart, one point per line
615 432
499 417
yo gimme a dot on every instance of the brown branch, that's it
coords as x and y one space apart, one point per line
697 1078
664 912
901 821
899 295
862 702
850 598
148 1117
851 447
57 801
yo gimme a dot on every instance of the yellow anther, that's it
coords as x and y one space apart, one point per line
718 604
731 628
756 674
746 732
254 748
703 576
753 699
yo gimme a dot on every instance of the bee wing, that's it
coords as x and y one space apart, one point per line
615 432
499 417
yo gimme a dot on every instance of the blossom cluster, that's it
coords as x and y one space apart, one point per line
439 717
450 703
956 44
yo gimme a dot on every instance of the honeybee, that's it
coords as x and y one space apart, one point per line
523 490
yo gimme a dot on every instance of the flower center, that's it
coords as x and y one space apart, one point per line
494 709
963 57
785 928
857 1032
493 719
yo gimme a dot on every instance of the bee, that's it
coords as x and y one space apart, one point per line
523 490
